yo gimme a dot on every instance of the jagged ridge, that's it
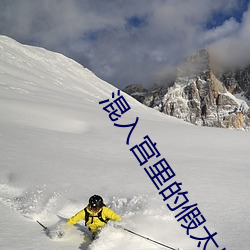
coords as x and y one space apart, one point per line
200 95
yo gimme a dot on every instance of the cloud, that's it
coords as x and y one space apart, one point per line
121 41
228 28
233 48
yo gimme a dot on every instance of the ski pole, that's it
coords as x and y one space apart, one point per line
148 239
45 228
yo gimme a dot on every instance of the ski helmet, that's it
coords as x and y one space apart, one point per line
96 202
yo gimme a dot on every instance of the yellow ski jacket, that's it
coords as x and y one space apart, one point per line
94 223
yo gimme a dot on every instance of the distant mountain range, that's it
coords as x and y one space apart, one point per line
202 94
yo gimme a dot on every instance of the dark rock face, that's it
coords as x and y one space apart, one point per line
237 81
199 96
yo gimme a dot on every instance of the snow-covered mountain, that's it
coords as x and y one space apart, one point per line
201 95
58 146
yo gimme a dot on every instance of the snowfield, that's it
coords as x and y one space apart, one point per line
59 147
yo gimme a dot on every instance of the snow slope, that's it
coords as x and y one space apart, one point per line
58 147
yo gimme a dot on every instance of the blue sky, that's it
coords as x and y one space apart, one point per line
131 41
218 17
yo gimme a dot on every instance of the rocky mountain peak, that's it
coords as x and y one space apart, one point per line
200 96
196 64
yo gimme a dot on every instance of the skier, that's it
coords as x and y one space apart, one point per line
95 214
